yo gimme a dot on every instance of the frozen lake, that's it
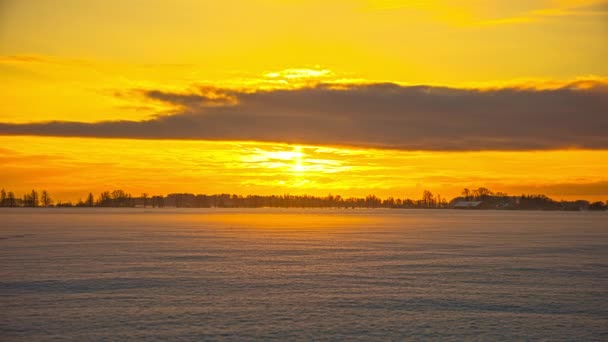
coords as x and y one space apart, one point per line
238 274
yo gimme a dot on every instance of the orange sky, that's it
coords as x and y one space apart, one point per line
93 61
71 167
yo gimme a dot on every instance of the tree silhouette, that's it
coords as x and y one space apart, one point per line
90 200
12 201
105 200
45 199
144 196
597 206
480 193
467 194
34 199
427 199
120 198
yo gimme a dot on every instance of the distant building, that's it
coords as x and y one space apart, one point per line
468 205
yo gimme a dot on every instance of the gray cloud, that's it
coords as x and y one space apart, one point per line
374 115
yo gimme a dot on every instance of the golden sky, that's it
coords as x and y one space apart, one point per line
70 167
513 96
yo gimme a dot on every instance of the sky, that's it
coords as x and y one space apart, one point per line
304 97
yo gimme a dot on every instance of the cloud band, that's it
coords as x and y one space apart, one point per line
382 115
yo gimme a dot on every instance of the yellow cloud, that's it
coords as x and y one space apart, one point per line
491 12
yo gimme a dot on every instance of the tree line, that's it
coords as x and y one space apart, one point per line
31 199
500 200
483 197
121 198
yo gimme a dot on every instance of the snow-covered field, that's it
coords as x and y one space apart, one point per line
114 274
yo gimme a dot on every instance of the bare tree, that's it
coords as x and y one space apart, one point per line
12 201
34 200
105 199
467 194
427 198
90 200
45 199
483 192
144 196
26 201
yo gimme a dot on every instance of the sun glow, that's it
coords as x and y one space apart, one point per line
52 70
67 168
290 159
298 155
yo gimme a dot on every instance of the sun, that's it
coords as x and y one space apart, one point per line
290 159
298 156
293 160
295 163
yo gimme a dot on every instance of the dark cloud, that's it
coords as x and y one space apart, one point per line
373 115
205 96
